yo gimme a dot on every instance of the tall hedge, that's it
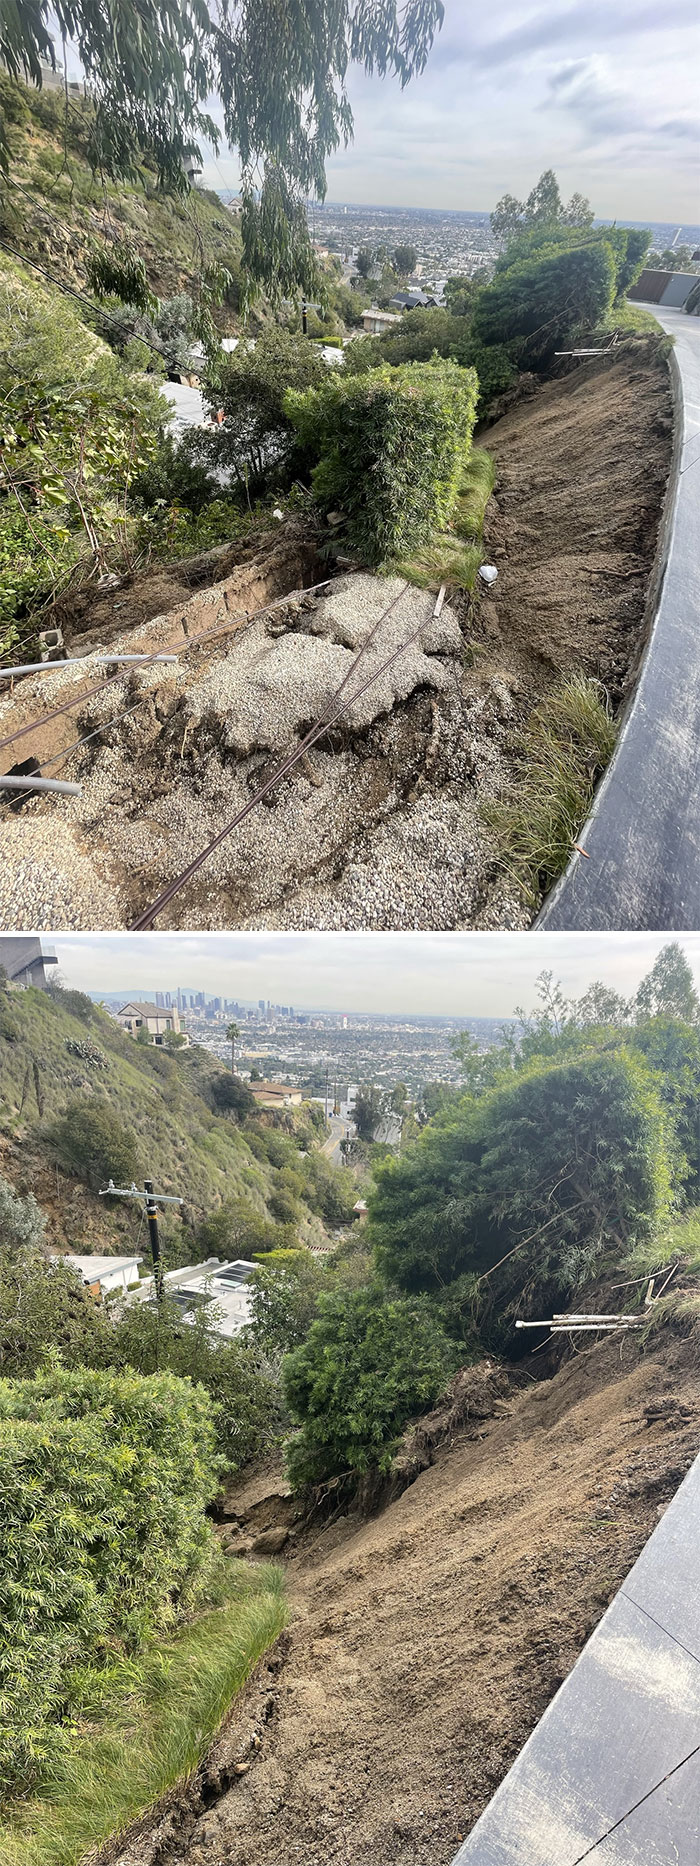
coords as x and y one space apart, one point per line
540 301
391 448
104 1480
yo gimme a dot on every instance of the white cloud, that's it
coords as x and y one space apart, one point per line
467 974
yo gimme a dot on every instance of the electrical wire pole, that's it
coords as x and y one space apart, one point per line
150 1201
327 1076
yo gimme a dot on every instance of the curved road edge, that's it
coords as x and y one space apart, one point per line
611 1773
642 836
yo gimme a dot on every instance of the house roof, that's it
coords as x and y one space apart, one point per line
93 1268
146 1010
274 1088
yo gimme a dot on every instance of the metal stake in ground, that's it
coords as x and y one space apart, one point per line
150 1201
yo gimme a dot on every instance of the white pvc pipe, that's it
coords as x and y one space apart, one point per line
78 660
30 782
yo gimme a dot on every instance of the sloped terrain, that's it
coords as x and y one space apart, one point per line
382 824
52 206
426 1643
50 1056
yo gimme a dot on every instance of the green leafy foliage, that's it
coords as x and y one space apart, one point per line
538 302
430 330
120 272
242 1386
92 1140
543 209
103 1480
368 1363
391 447
238 1230
76 426
257 440
284 1300
530 1185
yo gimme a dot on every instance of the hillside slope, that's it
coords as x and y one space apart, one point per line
52 205
204 1157
426 1643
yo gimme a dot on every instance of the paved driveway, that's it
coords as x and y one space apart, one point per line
643 835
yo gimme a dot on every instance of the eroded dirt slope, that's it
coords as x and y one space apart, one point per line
383 826
426 1643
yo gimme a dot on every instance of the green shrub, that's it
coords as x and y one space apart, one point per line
284 1300
242 1386
43 1304
531 1186
368 1363
538 302
92 1141
103 1483
392 447
238 1230
256 439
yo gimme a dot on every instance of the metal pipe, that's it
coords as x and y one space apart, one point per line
37 783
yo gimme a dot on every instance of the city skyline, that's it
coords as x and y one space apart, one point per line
458 974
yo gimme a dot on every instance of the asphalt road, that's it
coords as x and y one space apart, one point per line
643 834
331 1146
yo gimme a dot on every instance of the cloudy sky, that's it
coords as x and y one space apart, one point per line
606 93
464 974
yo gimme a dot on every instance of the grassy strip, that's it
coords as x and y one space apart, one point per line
678 1243
566 745
150 1729
454 556
627 316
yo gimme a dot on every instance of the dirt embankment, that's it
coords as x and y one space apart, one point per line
426 1643
382 826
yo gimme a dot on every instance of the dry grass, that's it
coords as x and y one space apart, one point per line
566 745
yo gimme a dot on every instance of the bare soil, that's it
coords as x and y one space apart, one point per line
383 826
426 1643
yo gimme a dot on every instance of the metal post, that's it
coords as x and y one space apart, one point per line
154 1235
326 1110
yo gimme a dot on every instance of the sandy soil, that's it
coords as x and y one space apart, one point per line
426 1643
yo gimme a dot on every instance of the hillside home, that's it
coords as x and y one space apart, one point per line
376 322
101 1275
153 1018
276 1095
24 961
224 1287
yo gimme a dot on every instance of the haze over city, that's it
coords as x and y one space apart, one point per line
605 94
454 974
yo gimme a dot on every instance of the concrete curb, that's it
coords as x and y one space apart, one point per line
643 832
611 1774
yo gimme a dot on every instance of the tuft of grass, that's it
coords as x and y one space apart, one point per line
149 1728
566 745
626 316
454 556
474 494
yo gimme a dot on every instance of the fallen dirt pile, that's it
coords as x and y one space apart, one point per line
426 1643
381 825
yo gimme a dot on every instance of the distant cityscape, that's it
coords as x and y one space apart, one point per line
302 1047
447 241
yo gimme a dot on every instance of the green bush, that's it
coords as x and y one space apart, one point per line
284 1300
92 1141
104 1480
538 302
369 1362
238 1230
391 448
242 1386
531 1186
256 440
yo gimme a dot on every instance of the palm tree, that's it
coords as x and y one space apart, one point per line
232 1035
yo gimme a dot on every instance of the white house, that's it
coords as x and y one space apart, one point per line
102 1274
224 1286
151 1017
377 322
